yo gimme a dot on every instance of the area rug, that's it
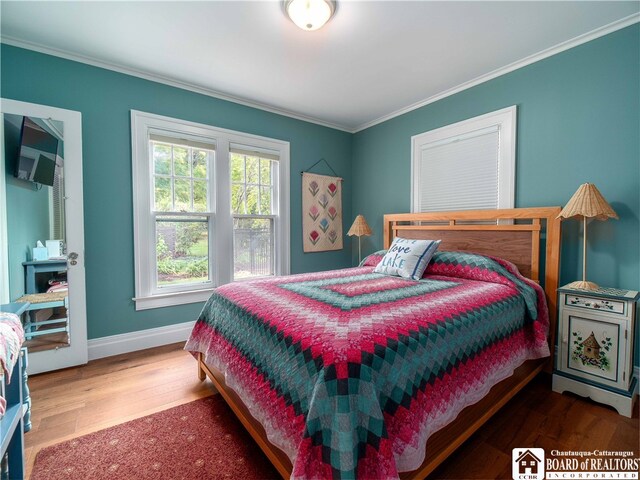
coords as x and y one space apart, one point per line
198 440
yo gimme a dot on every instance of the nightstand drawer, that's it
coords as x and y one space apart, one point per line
594 303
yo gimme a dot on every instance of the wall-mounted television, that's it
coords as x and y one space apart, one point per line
38 153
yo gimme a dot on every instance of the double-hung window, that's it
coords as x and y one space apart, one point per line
254 205
468 165
210 207
182 212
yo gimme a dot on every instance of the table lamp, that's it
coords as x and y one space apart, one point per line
587 202
359 228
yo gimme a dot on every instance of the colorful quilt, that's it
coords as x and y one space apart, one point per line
11 340
350 371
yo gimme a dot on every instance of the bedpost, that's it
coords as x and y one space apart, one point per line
387 232
552 277
201 373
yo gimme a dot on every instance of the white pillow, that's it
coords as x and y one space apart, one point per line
407 258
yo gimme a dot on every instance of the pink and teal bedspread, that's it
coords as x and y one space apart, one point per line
350 372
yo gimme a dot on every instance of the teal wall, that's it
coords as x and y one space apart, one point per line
578 121
27 210
105 99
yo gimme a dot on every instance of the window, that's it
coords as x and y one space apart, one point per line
210 207
181 210
466 166
56 191
56 204
254 207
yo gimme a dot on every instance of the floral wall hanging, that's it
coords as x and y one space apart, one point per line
321 212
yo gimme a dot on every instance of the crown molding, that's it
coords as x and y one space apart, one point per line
561 47
154 77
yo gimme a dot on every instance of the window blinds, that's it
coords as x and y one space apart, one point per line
460 172
182 139
253 151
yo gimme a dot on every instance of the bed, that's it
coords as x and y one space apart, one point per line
354 374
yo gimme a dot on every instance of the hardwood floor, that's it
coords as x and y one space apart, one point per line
538 417
48 342
113 390
76 401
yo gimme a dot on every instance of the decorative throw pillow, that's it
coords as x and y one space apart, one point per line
372 259
407 258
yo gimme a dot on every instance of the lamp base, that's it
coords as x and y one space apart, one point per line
583 285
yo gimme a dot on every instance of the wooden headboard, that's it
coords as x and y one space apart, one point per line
515 234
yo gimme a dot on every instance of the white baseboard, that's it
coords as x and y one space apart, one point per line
134 341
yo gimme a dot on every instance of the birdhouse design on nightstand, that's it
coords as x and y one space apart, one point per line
595 354
591 353
591 347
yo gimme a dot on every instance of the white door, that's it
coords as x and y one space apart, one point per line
69 124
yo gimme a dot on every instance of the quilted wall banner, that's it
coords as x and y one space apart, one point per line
321 212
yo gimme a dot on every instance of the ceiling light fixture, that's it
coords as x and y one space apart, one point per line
310 14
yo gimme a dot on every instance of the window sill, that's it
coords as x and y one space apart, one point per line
172 299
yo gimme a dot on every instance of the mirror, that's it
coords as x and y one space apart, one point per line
35 227
41 198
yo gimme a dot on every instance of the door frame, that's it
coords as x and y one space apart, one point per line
4 241
76 353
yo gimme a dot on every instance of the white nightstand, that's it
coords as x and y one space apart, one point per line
595 355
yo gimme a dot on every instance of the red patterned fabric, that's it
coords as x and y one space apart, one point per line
350 372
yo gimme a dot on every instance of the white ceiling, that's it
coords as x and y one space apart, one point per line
371 60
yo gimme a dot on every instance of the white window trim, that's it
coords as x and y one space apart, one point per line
505 120
220 245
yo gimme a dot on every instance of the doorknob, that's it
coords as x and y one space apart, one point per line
73 258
